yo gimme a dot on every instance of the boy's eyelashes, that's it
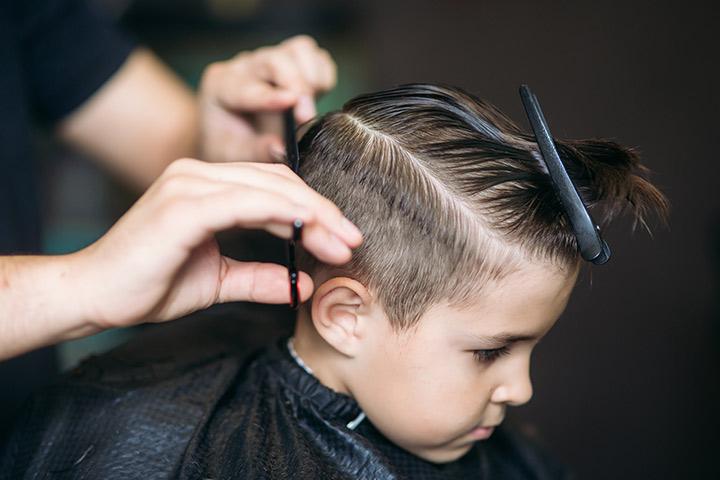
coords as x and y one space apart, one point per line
486 356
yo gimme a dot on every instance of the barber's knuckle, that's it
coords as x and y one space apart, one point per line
242 56
302 42
214 67
168 184
179 166
276 66
263 54
173 187
212 72
170 210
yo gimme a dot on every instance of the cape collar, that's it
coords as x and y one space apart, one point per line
298 377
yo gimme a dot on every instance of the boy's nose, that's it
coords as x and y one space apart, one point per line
515 390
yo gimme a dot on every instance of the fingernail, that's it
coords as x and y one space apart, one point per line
305 108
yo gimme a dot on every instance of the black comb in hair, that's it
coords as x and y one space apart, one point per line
293 158
590 243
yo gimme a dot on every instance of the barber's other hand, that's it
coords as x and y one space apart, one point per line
240 99
161 261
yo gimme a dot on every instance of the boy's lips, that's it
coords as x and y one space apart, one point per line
482 433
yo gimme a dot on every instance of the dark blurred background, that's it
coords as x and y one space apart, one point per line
626 385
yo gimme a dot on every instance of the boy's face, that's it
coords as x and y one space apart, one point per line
439 387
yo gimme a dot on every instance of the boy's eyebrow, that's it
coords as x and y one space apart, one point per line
503 338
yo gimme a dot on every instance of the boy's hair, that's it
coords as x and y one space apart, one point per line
450 194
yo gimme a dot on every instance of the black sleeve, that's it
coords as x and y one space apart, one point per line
68 50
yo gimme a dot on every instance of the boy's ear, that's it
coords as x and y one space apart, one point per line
336 308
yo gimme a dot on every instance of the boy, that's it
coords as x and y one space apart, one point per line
405 360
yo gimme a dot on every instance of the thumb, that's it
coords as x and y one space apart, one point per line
260 283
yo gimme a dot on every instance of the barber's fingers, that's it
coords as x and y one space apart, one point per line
189 209
274 78
281 69
314 63
269 83
275 177
315 66
264 80
261 283
279 180
237 87
251 208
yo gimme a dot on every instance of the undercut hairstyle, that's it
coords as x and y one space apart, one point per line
450 194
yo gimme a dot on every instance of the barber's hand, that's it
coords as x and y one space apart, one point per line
240 99
161 261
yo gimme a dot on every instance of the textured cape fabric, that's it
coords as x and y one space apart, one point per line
216 413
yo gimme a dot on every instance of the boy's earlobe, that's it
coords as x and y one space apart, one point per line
335 313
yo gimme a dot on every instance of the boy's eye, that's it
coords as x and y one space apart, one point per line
488 356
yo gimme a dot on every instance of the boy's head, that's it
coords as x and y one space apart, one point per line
467 258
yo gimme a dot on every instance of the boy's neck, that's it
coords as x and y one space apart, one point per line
322 359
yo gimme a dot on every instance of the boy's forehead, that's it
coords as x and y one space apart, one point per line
532 283
519 305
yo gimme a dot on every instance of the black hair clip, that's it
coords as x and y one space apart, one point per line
293 158
590 243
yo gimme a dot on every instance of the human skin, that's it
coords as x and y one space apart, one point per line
441 385
160 260
145 117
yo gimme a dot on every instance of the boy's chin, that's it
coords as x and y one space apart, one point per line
442 455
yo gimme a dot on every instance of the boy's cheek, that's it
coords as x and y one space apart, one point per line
420 393
420 410
431 435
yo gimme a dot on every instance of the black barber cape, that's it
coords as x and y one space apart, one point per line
225 415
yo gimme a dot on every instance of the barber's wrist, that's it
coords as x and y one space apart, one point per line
91 283
40 303
76 291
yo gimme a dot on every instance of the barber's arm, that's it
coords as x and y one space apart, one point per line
144 117
160 260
